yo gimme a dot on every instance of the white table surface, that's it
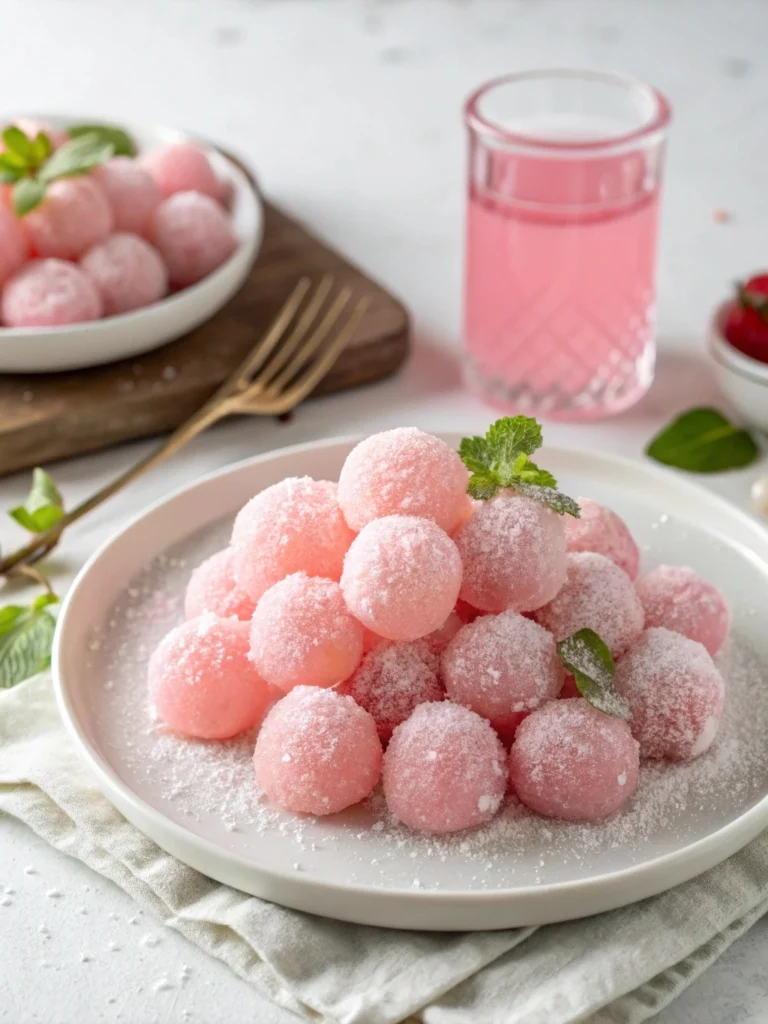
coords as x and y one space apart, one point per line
349 110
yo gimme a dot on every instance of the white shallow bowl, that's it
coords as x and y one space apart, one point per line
38 350
743 380
200 803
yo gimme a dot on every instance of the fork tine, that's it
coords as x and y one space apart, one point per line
309 314
315 372
311 345
257 357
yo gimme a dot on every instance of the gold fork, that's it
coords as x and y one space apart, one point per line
272 379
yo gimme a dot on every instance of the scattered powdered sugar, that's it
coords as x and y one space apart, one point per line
209 788
601 529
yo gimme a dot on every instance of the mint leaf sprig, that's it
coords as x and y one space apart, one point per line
501 460
26 639
703 441
587 657
44 505
31 165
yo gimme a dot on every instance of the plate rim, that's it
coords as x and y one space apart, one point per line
680 865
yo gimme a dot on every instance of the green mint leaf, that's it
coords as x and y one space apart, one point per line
27 194
41 148
531 474
9 174
473 454
482 487
17 143
78 156
25 649
547 495
121 141
8 617
703 441
586 656
44 506
511 436
43 601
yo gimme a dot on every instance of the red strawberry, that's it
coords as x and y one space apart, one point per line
746 325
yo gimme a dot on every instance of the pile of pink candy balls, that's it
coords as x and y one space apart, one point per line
391 628
112 240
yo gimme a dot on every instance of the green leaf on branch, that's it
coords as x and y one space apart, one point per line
41 148
703 441
18 145
26 640
27 194
44 506
121 141
501 460
586 655
78 156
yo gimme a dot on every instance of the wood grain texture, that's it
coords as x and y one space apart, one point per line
54 416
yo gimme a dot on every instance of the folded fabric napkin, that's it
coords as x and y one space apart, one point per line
617 968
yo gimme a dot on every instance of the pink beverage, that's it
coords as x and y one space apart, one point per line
562 225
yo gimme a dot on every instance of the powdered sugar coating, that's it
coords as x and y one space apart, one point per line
596 595
676 694
401 577
212 588
193 235
132 193
74 215
600 529
317 752
182 167
202 681
293 526
571 761
503 667
49 293
393 679
513 551
127 272
444 769
14 246
403 472
303 635
677 598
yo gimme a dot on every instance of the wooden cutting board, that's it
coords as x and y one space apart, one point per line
53 416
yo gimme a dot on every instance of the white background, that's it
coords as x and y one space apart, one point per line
350 112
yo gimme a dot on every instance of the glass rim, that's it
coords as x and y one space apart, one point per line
489 129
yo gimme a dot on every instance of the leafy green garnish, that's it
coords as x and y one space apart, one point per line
26 638
78 156
703 441
501 459
27 194
585 654
44 505
121 141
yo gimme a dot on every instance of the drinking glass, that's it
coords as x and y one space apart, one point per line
565 172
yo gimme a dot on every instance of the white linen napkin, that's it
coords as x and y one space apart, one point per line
618 968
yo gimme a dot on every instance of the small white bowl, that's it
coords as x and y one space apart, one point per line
44 350
744 380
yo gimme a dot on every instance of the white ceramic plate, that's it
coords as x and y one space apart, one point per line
36 350
199 801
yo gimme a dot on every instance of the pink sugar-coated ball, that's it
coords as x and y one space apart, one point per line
571 761
439 638
131 191
392 680
317 752
503 667
444 769
193 235
676 597
49 293
127 272
596 595
600 529
303 635
212 588
675 692
403 472
401 577
293 526
203 682
183 167
14 247
513 551
74 215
